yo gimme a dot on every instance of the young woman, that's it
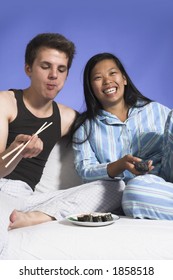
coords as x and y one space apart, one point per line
119 129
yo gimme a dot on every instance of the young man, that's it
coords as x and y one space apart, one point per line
48 58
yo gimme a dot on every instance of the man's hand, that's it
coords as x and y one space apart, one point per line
34 147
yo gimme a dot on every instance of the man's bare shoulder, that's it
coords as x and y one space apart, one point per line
68 115
64 109
7 102
6 95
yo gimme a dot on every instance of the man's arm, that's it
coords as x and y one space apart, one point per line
8 113
68 115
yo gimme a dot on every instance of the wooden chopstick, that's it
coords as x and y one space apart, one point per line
12 151
43 127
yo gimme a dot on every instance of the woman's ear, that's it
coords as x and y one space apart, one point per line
125 80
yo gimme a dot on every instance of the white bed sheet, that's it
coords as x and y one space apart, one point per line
126 239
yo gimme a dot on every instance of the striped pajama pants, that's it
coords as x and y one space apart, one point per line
150 196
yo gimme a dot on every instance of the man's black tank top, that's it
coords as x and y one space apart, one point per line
30 170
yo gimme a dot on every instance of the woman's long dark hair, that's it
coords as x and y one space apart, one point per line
131 93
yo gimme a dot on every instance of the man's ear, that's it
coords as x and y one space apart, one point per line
28 70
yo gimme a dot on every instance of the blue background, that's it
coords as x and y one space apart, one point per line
139 32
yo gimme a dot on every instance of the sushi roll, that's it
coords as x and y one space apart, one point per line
85 218
97 218
107 217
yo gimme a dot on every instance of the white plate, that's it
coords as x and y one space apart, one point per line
73 219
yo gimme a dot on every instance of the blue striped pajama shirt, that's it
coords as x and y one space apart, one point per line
144 135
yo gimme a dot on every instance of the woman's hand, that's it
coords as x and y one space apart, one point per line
126 163
137 166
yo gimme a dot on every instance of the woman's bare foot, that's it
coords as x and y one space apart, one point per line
20 219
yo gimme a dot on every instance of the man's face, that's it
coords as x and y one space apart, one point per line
48 72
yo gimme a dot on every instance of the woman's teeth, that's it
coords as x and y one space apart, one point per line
110 91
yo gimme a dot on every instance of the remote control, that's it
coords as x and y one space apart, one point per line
142 166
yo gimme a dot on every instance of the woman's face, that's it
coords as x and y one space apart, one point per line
108 83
